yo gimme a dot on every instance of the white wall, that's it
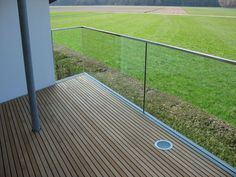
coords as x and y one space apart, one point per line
12 73
39 22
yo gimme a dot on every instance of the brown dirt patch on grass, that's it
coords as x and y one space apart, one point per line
169 11
121 9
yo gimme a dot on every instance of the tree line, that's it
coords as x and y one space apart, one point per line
212 3
198 3
227 3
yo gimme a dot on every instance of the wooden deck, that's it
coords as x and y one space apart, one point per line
89 132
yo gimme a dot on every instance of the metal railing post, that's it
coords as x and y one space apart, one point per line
145 77
82 46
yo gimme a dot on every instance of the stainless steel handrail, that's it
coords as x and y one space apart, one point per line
207 56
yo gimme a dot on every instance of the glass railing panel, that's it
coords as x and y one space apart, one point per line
68 60
194 95
116 61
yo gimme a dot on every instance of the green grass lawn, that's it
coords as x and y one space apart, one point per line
207 84
206 34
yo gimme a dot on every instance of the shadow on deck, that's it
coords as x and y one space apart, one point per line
87 131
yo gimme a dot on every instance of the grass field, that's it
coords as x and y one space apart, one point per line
207 34
208 85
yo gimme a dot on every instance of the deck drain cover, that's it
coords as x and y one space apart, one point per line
164 145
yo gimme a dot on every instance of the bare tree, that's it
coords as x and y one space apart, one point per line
227 3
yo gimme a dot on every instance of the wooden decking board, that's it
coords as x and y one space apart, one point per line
1 161
76 116
153 149
27 165
87 131
58 146
43 152
94 156
30 148
127 154
16 149
138 126
77 131
34 142
35 151
149 143
112 133
75 146
8 146
55 147
185 151
118 109
148 150
78 157
174 149
4 157
128 139
66 154
203 166
120 113
58 165
23 143
90 160
17 144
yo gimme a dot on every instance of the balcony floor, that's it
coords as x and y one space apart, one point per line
87 131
